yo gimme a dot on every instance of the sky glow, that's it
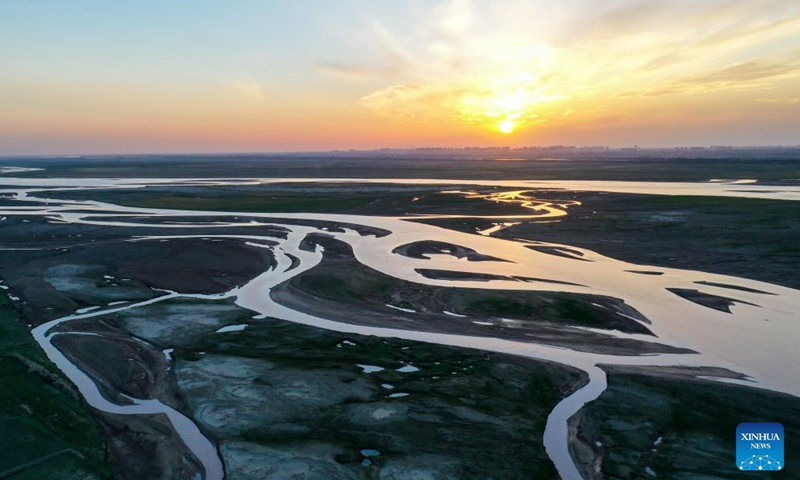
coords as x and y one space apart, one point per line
246 76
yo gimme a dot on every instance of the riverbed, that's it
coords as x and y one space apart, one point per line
755 339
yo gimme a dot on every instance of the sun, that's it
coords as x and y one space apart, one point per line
503 105
507 126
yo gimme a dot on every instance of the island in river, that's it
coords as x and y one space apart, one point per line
394 328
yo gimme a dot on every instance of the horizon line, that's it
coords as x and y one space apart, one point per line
421 149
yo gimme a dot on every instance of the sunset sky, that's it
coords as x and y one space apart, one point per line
113 76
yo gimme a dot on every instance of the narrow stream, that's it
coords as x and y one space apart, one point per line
730 341
203 449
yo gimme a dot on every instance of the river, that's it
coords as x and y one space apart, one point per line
740 341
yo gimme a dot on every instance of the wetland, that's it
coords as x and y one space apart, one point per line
284 328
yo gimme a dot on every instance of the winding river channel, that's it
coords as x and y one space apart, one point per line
762 352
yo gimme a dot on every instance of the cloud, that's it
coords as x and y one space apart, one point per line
392 50
480 62
783 100
618 19
413 101
463 103
455 17
345 70
355 72
743 75
393 59
248 88
754 30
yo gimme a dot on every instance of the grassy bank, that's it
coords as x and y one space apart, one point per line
47 432
681 428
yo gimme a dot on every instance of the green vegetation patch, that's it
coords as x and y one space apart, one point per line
41 420
489 304
681 428
743 237
346 281
301 198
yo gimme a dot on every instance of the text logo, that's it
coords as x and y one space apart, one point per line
759 446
